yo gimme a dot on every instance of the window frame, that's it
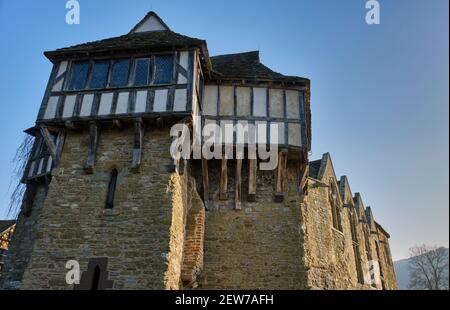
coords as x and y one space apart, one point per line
91 75
154 68
149 71
110 76
132 63
71 75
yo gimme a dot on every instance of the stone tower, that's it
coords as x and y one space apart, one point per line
104 189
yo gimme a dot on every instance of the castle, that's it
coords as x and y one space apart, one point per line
103 189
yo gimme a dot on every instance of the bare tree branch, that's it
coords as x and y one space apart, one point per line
20 161
428 267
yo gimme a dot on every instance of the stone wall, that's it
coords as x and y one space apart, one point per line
386 262
329 257
258 247
142 235
20 249
341 256
158 235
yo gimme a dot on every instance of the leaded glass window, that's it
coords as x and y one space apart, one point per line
141 75
99 77
119 75
164 69
79 75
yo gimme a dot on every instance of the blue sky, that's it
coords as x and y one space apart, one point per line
380 97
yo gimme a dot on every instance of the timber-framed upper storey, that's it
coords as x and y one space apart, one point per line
153 72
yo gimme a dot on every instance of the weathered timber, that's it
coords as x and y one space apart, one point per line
117 124
93 143
48 141
252 171
303 178
280 175
238 190
223 178
138 144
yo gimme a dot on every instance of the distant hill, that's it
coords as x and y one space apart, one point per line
401 268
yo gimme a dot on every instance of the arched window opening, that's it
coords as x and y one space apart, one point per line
111 190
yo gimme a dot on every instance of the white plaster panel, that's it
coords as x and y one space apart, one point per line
160 103
294 135
58 85
292 104
151 24
105 104
243 98
226 94
52 105
122 103
259 101
180 100
276 103
86 105
184 61
210 97
141 102
69 104
61 69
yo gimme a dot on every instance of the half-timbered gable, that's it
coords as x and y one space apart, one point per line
149 71
243 90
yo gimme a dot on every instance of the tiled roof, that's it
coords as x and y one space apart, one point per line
150 39
246 65
240 66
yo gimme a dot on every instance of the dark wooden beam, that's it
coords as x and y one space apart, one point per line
138 144
117 123
205 182
59 147
238 189
93 143
182 164
160 123
252 171
48 141
70 125
280 176
223 178
304 172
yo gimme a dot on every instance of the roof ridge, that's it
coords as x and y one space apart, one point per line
236 54
126 39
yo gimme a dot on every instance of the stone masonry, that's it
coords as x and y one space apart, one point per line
102 188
